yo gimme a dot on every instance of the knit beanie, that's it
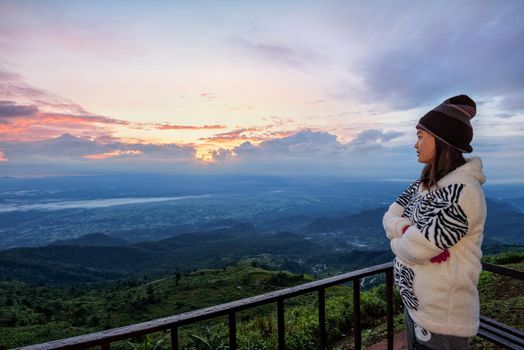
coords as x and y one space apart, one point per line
450 122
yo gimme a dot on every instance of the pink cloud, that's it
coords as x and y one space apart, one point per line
42 126
14 88
209 96
255 134
188 127
234 109
9 109
41 115
112 154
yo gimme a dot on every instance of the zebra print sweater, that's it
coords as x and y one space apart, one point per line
440 297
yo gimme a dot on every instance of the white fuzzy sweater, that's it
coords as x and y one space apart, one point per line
440 297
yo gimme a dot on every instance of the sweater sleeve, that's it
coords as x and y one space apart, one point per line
393 221
444 221
406 196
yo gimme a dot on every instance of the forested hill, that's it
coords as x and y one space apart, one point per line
71 264
31 314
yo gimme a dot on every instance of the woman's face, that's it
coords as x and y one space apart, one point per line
425 146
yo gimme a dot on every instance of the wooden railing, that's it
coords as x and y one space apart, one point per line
172 323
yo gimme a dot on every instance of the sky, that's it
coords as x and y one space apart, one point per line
308 88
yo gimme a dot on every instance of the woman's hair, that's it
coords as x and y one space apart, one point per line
447 158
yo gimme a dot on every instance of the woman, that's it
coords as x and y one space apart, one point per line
436 227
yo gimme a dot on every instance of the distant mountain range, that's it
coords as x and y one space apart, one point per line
318 246
504 225
92 240
83 260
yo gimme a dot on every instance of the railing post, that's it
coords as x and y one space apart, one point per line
281 324
389 302
232 331
174 338
356 314
322 317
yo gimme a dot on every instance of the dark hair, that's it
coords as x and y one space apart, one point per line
447 158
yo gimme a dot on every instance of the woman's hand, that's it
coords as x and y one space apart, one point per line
436 259
393 221
441 257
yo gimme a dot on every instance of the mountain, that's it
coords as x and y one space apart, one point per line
294 223
504 225
93 240
57 264
361 231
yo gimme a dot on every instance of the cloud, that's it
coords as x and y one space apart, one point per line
60 28
277 52
188 127
11 109
314 152
9 76
221 154
209 96
233 135
68 149
372 139
29 114
31 124
253 134
306 141
513 102
111 154
308 144
235 109
15 89
461 48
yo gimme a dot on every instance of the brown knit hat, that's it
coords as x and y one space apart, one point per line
451 122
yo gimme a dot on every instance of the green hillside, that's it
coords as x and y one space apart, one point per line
31 314
82 264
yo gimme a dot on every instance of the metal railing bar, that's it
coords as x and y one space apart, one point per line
356 314
281 324
496 338
504 335
232 331
503 270
389 308
322 317
504 327
174 338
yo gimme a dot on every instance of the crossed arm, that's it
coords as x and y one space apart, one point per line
437 230
410 246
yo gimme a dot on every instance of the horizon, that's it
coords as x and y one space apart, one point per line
286 89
